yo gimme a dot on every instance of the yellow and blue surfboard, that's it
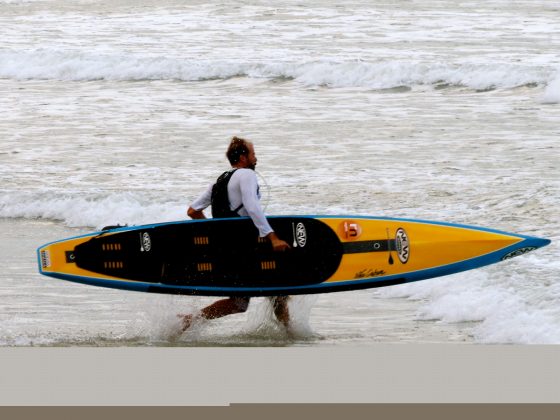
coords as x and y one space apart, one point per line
225 257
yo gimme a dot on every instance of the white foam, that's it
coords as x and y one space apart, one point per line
391 74
80 210
517 325
47 64
503 309
552 92
261 316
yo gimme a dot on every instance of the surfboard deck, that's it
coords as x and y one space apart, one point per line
225 257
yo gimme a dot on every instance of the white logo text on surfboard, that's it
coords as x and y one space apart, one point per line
145 242
300 235
403 245
518 252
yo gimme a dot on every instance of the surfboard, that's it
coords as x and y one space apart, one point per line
226 257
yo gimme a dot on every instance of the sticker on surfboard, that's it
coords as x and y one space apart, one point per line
350 230
45 259
402 245
300 235
145 242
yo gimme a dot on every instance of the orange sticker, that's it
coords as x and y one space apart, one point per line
350 230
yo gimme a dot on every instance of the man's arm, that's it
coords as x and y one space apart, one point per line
203 201
277 243
251 203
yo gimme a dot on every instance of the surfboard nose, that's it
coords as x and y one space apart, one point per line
543 242
529 243
536 242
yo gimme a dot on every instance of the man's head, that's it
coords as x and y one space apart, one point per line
241 153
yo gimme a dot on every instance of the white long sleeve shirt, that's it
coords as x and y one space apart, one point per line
243 188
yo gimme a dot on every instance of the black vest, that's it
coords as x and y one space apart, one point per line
220 200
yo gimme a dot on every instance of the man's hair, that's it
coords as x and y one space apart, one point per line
237 148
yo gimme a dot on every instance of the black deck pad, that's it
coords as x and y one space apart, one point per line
216 253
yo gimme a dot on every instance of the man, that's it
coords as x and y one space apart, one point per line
244 200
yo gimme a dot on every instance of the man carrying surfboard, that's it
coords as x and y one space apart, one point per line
236 194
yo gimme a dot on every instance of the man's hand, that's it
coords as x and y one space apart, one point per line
278 244
195 214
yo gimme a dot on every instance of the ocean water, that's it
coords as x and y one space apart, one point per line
120 112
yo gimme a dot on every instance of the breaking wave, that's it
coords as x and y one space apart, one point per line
90 210
50 64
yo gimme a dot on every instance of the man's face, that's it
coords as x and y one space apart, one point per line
251 158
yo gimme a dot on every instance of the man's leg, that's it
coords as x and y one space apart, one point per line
280 305
232 305
224 307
